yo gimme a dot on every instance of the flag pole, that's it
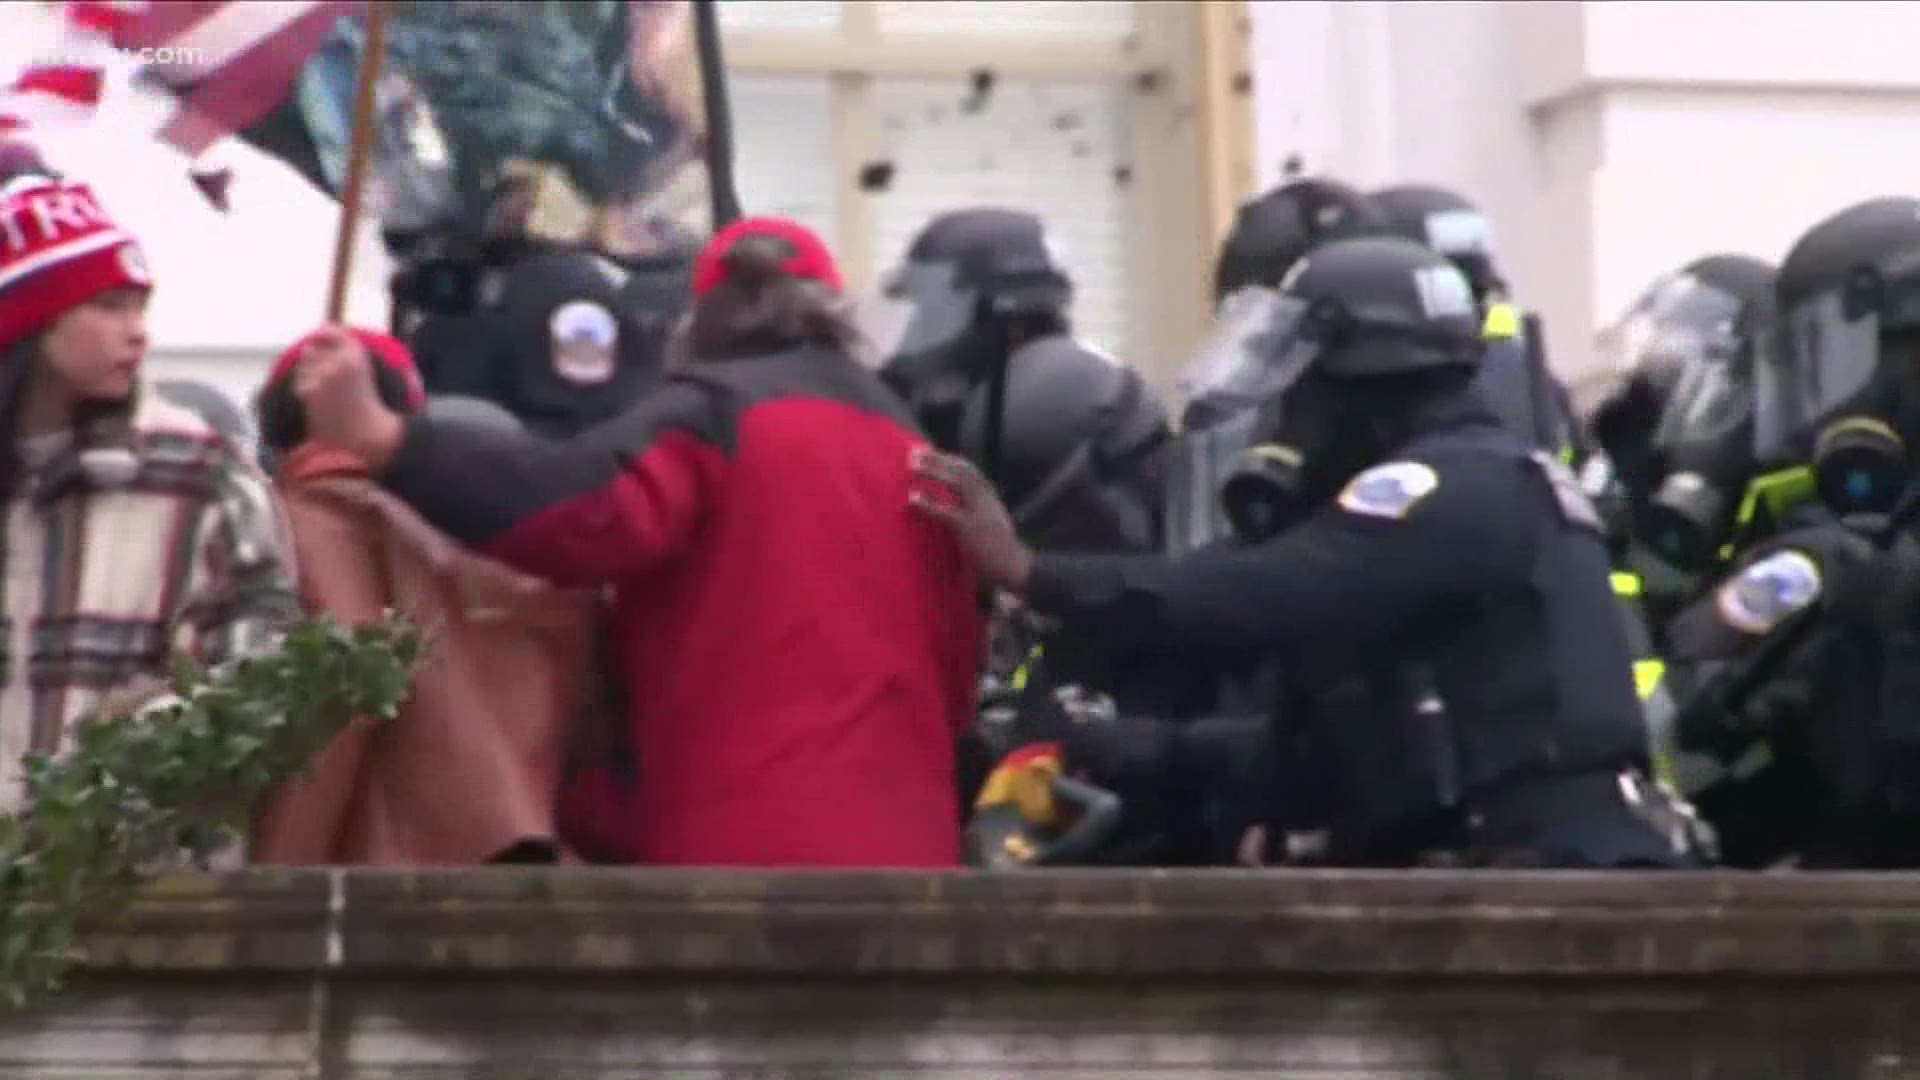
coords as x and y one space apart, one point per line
371 59
719 114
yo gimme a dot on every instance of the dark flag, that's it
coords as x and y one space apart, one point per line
582 123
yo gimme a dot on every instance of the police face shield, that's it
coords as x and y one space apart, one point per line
1221 477
920 319
1704 440
1826 388
1672 325
1198 463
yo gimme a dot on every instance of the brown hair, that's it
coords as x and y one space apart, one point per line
94 422
760 308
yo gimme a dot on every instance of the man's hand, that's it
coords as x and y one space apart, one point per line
976 516
334 381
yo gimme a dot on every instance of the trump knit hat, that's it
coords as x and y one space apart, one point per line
58 250
805 255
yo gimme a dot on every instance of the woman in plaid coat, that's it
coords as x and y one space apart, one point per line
133 533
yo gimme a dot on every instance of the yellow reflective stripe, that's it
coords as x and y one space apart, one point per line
1018 679
1647 675
1781 490
1502 322
1566 455
1625 583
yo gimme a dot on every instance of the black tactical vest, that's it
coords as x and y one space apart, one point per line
1490 690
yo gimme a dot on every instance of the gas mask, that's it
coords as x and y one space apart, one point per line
1836 382
1226 390
1312 442
1263 442
1860 465
1704 442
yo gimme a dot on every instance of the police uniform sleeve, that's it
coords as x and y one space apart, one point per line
1399 541
587 511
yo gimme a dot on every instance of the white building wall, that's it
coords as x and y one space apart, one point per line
1608 142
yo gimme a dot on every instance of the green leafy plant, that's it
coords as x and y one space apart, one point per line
134 794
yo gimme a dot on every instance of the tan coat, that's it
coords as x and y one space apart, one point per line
472 765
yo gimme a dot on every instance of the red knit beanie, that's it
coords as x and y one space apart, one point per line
385 350
809 259
58 250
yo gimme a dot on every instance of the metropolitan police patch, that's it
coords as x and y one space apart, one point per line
1389 491
1763 595
586 339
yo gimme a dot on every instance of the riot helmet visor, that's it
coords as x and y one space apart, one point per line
1712 399
1258 348
1198 463
1819 357
923 310
1676 322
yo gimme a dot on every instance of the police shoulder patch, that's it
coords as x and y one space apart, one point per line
1763 595
1389 491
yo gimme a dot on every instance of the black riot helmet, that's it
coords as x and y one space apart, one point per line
1273 231
1082 448
1711 314
562 338
1838 379
1303 386
1449 224
975 286
1675 324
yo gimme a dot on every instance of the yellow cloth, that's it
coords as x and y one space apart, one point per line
1025 779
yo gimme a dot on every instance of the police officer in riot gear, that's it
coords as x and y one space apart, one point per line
975 287
1682 406
1679 430
1816 630
974 333
1515 377
1395 531
1270 235
561 337
1835 382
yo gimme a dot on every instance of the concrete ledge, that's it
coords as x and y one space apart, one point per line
653 975
1070 923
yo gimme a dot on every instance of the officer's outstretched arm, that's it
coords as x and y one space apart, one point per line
587 511
1356 576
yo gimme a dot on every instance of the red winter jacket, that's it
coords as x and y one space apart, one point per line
800 647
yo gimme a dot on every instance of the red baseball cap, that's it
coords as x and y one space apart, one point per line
810 258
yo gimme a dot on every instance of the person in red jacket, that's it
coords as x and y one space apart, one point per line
800 648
